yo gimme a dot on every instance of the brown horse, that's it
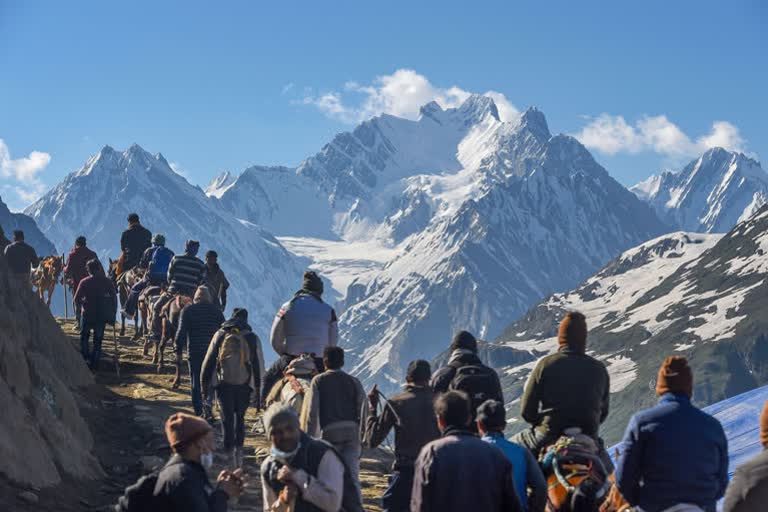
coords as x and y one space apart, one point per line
46 276
170 322
124 283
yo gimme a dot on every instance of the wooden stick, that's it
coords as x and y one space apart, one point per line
117 350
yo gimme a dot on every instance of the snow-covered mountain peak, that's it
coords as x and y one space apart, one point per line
220 184
711 193
534 121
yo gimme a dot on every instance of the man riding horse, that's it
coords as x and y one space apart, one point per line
185 273
21 257
133 242
155 262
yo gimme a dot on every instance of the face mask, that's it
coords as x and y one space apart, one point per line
279 454
206 460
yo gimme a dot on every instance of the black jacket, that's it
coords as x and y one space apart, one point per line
460 472
183 486
135 240
21 257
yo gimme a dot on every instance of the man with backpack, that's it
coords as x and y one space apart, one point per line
301 473
97 297
233 365
182 485
459 472
198 322
75 271
673 454
333 408
465 372
411 415
491 421
156 260
303 325
566 390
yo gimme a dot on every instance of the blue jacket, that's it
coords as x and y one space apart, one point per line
673 453
525 469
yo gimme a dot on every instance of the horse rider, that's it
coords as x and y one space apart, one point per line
156 260
133 242
216 280
303 325
3 241
75 271
567 389
185 273
21 256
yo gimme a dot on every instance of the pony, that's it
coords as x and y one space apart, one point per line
170 315
46 276
124 282
290 390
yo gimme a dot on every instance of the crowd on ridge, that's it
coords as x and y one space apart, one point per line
450 449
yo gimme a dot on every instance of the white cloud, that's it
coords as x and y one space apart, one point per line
612 134
287 87
23 172
401 94
178 169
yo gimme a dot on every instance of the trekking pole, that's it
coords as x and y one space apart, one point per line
117 351
64 285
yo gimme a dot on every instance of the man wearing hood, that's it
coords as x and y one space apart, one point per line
303 325
198 322
466 372
185 273
233 365
567 389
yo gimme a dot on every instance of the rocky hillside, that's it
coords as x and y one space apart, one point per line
43 438
703 296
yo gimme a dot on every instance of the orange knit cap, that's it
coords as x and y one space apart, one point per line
675 376
182 429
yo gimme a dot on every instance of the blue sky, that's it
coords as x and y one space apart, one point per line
220 86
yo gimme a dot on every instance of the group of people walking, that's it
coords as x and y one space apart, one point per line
450 450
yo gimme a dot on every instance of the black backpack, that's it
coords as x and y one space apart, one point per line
103 309
139 497
479 382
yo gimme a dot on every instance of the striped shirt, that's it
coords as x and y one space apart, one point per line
197 325
185 274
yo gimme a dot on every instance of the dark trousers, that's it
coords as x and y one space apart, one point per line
275 373
397 497
91 356
234 401
195 366
133 296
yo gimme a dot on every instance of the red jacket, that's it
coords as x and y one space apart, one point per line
91 290
75 267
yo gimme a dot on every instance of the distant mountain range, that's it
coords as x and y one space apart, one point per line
456 220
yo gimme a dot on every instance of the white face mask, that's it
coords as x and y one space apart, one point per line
206 460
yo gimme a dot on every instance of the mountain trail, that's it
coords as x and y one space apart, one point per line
126 416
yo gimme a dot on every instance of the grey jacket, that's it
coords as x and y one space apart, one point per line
304 325
748 489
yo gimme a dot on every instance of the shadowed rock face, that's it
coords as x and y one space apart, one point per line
32 235
43 438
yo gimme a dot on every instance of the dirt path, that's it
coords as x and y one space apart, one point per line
127 416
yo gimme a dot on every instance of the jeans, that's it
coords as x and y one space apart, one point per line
91 357
397 497
350 452
133 297
275 373
234 401
195 366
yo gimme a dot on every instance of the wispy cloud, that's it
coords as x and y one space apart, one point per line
611 134
287 88
178 169
23 173
401 94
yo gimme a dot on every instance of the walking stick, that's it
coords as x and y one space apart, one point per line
64 285
117 351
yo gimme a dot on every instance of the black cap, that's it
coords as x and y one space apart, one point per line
312 282
133 217
240 314
80 241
